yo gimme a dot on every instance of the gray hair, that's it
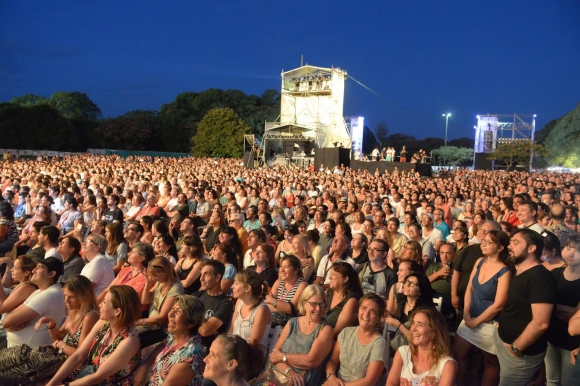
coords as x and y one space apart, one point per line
193 309
101 242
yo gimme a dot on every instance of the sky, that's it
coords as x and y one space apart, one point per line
421 58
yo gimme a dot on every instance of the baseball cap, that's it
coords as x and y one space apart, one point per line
53 264
428 214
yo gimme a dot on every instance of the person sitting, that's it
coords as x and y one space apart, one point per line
179 358
19 271
305 341
263 258
31 245
98 269
426 360
283 298
224 253
48 238
161 287
69 249
47 300
252 317
111 350
8 231
341 297
188 268
301 250
359 352
134 275
217 304
116 251
417 293
232 361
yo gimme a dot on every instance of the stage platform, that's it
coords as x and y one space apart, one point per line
371 166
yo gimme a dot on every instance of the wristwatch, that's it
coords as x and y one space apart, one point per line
515 350
284 358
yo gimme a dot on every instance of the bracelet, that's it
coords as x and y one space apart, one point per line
399 326
275 302
288 370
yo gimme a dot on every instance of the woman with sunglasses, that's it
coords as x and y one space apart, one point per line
305 341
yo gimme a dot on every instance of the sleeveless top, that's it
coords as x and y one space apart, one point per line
99 354
429 377
483 295
243 327
284 296
332 314
300 343
184 273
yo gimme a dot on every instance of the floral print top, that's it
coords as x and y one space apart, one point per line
192 352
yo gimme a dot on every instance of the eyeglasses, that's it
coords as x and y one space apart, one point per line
93 241
374 250
315 304
487 242
411 284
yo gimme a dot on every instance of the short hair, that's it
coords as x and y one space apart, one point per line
144 250
309 292
551 242
379 301
531 237
115 198
260 234
101 242
394 220
38 225
193 309
313 235
270 253
51 232
217 267
127 300
75 243
531 204
573 241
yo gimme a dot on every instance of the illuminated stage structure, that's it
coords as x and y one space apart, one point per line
311 113
356 127
495 129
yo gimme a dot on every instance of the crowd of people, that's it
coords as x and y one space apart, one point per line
194 271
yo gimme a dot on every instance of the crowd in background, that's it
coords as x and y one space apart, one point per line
178 271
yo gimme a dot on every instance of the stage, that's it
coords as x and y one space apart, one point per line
423 169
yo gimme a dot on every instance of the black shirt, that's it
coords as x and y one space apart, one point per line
532 286
568 294
72 267
113 215
268 274
464 264
220 307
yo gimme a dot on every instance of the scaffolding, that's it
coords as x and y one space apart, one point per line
311 110
495 129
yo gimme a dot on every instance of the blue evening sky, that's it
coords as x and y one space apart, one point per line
424 58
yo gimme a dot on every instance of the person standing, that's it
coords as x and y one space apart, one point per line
521 338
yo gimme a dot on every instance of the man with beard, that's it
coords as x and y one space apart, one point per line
520 339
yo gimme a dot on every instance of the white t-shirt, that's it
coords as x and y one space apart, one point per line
50 303
248 259
326 265
435 236
431 377
100 271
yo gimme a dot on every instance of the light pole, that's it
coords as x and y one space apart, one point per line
446 125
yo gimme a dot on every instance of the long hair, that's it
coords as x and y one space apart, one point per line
82 288
169 241
441 344
229 252
250 359
127 300
115 237
417 251
426 293
161 264
27 263
501 238
352 285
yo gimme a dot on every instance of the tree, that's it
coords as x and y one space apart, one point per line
462 142
453 156
518 151
74 105
29 100
382 133
136 130
563 140
220 134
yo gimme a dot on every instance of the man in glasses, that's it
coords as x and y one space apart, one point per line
99 269
375 275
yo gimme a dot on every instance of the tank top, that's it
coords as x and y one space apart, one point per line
243 327
483 295
183 274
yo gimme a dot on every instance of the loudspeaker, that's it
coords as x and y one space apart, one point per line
331 157
481 162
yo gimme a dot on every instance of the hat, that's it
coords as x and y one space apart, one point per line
428 214
53 264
